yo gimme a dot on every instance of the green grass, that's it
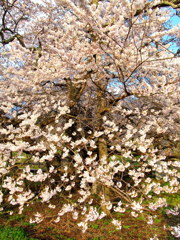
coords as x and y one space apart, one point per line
119 215
62 237
13 233
97 238
157 220
126 226
16 218
173 199
105 221
95 226
20 219
113 231
141 217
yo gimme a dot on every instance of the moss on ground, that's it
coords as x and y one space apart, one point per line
67 229
13 233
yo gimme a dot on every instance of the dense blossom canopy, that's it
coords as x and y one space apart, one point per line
89 100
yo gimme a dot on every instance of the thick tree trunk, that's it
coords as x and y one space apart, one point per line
99 188
74 93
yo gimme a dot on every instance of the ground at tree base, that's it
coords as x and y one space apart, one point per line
67 229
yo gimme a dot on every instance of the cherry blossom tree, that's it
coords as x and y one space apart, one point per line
88 88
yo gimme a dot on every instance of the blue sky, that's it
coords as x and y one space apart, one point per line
174 20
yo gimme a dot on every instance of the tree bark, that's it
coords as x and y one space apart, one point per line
99 188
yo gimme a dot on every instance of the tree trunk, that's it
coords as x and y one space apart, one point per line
99 188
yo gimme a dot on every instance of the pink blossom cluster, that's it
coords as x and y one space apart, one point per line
89 115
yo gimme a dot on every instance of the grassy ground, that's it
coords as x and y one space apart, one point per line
17 227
